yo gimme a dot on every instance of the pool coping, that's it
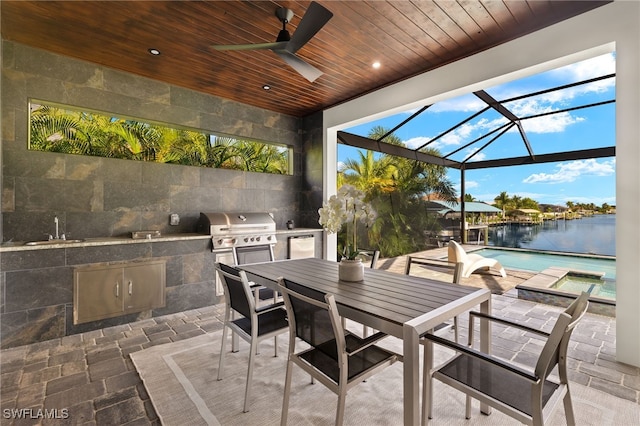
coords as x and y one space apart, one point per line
536 287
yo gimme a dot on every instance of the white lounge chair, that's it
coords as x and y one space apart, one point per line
472 262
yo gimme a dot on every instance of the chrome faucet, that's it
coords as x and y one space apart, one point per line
56 222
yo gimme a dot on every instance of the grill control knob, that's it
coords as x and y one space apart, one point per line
257 238
268 237
233 241
220 242
246 239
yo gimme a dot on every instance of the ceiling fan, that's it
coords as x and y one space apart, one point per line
287 45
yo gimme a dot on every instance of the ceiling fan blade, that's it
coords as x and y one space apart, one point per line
306 70
257 46
313 20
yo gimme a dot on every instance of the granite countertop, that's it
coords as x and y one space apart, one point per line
107 241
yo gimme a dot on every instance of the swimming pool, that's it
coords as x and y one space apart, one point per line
536 261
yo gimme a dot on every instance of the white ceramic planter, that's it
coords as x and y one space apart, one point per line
351 270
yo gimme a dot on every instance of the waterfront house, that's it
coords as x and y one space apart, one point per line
102 197
525 215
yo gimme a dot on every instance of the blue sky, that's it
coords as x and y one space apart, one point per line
584 181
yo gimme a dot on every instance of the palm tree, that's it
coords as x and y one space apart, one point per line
368 173
501 201
396 187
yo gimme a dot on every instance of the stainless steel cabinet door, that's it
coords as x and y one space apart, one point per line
144 287
97 294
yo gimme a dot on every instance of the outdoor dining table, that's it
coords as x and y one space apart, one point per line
403 306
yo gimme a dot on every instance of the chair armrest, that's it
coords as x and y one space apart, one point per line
481 355
505 322
365 343
271 307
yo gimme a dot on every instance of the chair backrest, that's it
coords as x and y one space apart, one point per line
554 351
438 266
314 318
456 253
237 289
370 257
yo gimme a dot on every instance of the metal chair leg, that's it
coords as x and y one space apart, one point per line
247 390
287 392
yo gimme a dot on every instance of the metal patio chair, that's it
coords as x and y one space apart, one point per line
256 323
442 270
528 396
336 358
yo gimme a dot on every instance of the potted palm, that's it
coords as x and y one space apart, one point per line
347 208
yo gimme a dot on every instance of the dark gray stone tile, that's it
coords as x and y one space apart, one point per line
181 248
135 86
31 259
121 413
198 268
111 253
67 357
114 397
67 382
614 389
123 381
30 395
39 194
38 287
108 368
74 396
79 414
111 351
128 196
31 326
173 271
185 297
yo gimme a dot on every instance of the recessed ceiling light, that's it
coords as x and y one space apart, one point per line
266 87
376 65
155 52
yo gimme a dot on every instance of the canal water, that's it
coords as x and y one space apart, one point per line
593 235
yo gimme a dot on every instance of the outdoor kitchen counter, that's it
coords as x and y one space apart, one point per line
37 282
107 241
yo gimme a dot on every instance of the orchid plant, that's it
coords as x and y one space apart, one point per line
347 207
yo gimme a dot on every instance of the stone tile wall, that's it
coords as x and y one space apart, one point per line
97 197
102 197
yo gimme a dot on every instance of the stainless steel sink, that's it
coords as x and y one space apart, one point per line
51 242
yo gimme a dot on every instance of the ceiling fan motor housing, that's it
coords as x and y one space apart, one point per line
284 14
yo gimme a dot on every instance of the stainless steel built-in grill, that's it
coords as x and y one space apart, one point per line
239 238
230 230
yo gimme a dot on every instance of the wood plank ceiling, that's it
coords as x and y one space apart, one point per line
406 37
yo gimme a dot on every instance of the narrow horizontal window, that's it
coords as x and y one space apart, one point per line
68 130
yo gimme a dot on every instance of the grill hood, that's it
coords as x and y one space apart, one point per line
228 224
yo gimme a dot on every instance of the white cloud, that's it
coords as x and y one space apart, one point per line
548 102
556 123
569 172
590 68
476 157
414 143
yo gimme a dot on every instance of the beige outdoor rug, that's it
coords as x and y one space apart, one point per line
181 381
